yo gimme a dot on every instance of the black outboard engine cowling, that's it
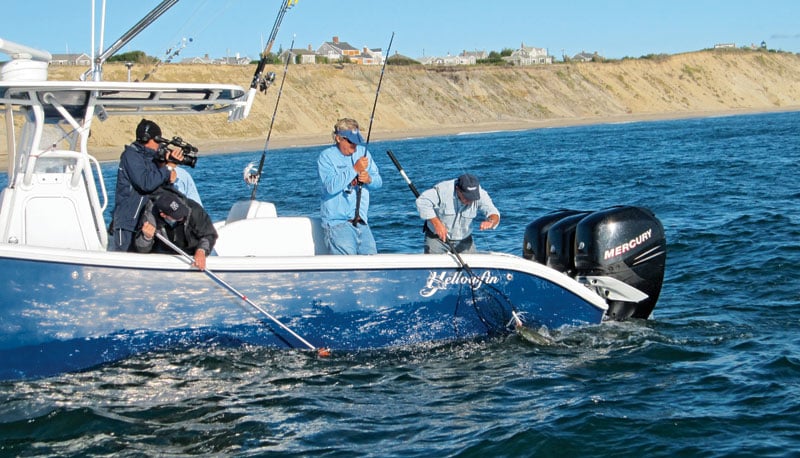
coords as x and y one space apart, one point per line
561 243
627 244
534 244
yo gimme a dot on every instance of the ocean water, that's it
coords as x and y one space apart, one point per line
714 372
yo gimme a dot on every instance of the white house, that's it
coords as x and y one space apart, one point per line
369 57
584 56
71 59
447 60
528 55
336 50
301 56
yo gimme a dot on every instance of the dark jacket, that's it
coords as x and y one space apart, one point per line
137 177
195 231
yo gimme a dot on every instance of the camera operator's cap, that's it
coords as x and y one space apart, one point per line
352 135
147 130
172 206
469 186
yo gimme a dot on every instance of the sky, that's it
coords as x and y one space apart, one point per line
219 28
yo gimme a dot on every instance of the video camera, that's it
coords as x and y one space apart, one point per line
189 151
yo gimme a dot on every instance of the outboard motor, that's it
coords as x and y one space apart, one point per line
622 244
561 243
620 252
534 244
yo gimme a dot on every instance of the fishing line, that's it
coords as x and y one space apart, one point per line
173 51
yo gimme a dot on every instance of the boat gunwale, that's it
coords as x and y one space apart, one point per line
233 264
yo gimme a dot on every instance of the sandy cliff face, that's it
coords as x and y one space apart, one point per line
423 100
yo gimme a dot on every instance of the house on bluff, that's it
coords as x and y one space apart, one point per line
529 55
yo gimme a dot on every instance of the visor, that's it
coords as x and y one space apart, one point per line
353 136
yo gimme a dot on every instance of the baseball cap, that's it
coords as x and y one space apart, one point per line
469 186
172 206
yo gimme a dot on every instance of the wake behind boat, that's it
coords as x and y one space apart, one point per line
68 304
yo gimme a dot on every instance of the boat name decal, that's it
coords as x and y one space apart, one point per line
629 245
444 279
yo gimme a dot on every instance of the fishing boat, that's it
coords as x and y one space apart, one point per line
68 304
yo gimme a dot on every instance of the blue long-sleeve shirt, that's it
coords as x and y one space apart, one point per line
185 184
338 196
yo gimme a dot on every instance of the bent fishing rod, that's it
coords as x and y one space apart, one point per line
215 277
256 178
414 190
357 216
516 318
260 81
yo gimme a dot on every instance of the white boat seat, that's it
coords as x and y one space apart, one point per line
245 209
278 236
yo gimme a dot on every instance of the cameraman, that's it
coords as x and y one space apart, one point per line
139 175
183 181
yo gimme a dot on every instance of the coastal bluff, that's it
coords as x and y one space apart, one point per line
419 101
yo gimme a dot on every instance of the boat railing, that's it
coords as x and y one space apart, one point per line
55 203
72 163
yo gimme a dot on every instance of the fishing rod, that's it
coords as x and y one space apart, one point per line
97 62
255 178
213 276
260 81
414 190
516 318
357 216
378 90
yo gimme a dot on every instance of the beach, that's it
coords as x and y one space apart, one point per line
281 141
417 101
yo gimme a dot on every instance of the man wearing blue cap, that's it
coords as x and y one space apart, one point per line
448 210
348 175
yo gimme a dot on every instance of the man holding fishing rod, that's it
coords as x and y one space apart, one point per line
348 174
449 208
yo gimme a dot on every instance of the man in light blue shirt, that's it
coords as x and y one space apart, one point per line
185 184
448 210
348 175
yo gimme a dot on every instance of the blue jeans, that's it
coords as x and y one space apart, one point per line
344 238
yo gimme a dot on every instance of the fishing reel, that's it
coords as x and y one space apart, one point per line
266 81
189 151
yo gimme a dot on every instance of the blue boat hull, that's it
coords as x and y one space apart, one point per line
60 316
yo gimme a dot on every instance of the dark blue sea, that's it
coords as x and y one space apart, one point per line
714 373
